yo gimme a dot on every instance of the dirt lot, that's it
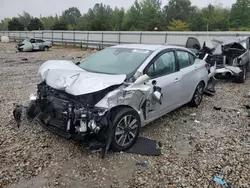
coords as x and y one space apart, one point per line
193 152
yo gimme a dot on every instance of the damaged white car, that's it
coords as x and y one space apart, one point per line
231 54
106 98
32 44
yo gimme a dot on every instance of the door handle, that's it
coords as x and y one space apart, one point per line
176 80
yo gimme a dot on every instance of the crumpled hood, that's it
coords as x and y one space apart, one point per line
66 76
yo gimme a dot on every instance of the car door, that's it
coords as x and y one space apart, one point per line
164 70
189 71
193 43
34 44
40 43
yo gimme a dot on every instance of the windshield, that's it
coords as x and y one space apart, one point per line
25 40
115 61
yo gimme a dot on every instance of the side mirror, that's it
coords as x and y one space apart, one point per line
142 79
78 63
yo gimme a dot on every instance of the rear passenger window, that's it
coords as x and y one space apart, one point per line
191 58
40 41
185 59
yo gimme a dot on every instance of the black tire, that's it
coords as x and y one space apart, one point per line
248 67
32 110
129 132
242 75
45 48
198 95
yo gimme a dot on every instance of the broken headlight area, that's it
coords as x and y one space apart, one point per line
73 117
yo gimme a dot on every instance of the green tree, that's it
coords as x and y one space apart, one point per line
72 16
178 25
178 10
216 17
4 24
49 21
240 14
99 18
117 18
83 23
196 21
25 19
151 15
60 25
15 25
35 24
132 19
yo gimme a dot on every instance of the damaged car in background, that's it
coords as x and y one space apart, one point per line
231 55
32 44
106 98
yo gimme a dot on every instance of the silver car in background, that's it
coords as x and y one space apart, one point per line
32 44
110 95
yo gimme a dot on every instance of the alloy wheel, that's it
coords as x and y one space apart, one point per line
198 94
126 130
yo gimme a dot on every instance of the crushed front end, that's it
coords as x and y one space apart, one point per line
73 117
230 55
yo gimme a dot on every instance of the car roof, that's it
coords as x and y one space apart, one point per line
151 47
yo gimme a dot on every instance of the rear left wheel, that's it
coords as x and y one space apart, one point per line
198 95
45 48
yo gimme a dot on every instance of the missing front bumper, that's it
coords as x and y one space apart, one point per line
33 113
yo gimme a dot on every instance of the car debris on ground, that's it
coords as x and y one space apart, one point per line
219 180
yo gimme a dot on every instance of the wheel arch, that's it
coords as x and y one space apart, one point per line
201 81
115 109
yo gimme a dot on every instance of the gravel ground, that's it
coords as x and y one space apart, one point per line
217 143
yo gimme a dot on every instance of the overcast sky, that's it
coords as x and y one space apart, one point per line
10 8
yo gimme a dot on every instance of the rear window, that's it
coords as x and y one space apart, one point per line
39 40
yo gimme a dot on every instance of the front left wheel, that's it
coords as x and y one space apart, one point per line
198 95
127 125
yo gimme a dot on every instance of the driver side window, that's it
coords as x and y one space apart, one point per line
163 65
32 41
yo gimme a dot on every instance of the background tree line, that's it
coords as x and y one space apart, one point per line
145 15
